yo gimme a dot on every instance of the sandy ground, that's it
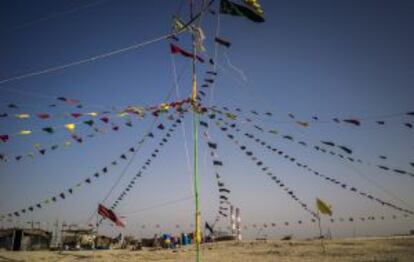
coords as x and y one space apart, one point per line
368 249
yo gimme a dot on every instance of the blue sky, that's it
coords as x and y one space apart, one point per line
325 58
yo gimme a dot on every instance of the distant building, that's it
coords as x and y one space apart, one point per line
78 239
24 239
104 242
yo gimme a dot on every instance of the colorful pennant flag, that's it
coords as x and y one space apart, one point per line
323 207
70 127
107 213
222 42
22 116
177 50
24 132
231 8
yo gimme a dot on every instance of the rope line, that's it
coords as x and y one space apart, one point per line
105 55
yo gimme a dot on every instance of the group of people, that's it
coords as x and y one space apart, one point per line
173 241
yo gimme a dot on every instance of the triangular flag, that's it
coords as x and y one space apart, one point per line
22 116
25 132
107 213
48 130
230 8
88 122
323 207
222 42
177 24
94 114
76 115
43 116
255 5
105 119
70 127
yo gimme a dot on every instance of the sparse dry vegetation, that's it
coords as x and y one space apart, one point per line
360 249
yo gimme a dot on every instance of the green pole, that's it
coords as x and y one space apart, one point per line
197 235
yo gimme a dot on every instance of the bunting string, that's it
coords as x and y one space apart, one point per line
266 170
346 154
163 108
88 180
69 191
223 191
163 141
107 54
332 220
380 120
340 184
267 225
234 117
74 137
179 106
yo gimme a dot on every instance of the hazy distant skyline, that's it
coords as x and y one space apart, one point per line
325 58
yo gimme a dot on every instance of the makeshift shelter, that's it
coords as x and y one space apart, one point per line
223 236
24 239
78 239
104 242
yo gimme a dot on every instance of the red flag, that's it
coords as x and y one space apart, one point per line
4 138
175 49
76 115
43 116
105 119
107 213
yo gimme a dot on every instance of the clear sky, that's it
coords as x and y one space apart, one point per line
325 58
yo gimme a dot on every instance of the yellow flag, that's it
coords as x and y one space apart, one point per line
37 146
255 5
25 132
70 127
68 143
22 116
177 25
323 207
164 107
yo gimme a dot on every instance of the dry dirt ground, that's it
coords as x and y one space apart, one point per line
368 249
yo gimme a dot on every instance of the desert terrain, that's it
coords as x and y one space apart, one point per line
355 249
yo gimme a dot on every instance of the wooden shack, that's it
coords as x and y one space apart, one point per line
24 239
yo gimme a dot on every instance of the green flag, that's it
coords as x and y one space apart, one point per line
48 130
229 8
88 122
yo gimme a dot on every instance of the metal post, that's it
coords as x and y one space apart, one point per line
238 226
320 232
232 220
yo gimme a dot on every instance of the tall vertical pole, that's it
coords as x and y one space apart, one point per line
197 236
232 220
320 232
238 225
